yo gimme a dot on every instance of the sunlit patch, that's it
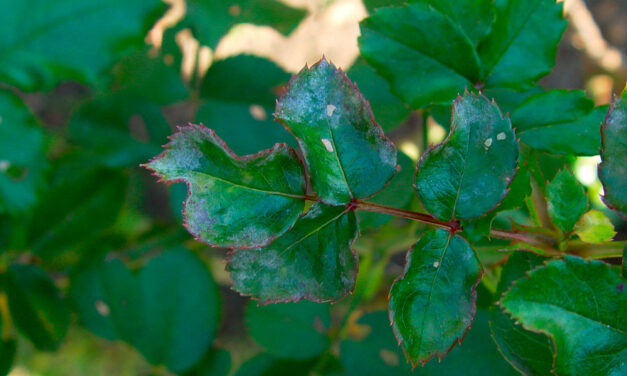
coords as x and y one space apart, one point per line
436 132
586 169
410 149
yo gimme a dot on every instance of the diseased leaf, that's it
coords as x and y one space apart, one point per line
45 42
566 200
169 310
233 201
521 46
290 330
581 306
311 261
594 227
226 14
529 352
613 167
22 157
431 69
560 122
37 308
469 173
433 303
347 154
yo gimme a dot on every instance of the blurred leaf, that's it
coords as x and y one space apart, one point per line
313 260
561 122
431 69
267 365
223 15
45 42
389 111
566 200
594 227
22 158
613 170
169 310
217 362
580 304
290 330
521 47
7 355
433 303
529 352
267 187
37 308
347 153
468 174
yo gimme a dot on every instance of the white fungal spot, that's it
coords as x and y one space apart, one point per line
487 143
436 264
102 308
501 136
327 144
4 166
330 109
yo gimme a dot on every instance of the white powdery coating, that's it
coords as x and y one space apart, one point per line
501 136
488 142
327 144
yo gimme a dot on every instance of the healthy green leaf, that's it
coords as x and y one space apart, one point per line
475 17
233 201
613 170
311 261
433 303
522 44
427 70
290 330
594 227
581 306
347 154
265 364
469 173
223 15
566 200
36 306
169 310
216 363
22 157
529 352
560 122
45 41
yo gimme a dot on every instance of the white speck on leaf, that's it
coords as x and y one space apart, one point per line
327 144
102 308
436 264
487 143
501 136
330 109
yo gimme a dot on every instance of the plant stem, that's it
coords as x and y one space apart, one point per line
452 225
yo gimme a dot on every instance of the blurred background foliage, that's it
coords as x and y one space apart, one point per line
90 89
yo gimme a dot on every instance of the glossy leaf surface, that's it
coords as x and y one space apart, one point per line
267 187
560 122
475 17
469 173
566 200
433 303
311 261
613 168
584 312
347 154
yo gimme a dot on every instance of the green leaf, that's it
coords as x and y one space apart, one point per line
233 201
433 303
265 364
522 44
216 363
594 227
7 355
389 111
431 69
36 306
169 310
612 170
347 154
582 307
22 155
529 352
475 17
560 122
566 200
226 14
290 330
469 173
311 261
45 42
239 94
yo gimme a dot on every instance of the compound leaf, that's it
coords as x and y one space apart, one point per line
346 151
469 173
582 306
311 261
566 200
433 303
613 168
240 202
